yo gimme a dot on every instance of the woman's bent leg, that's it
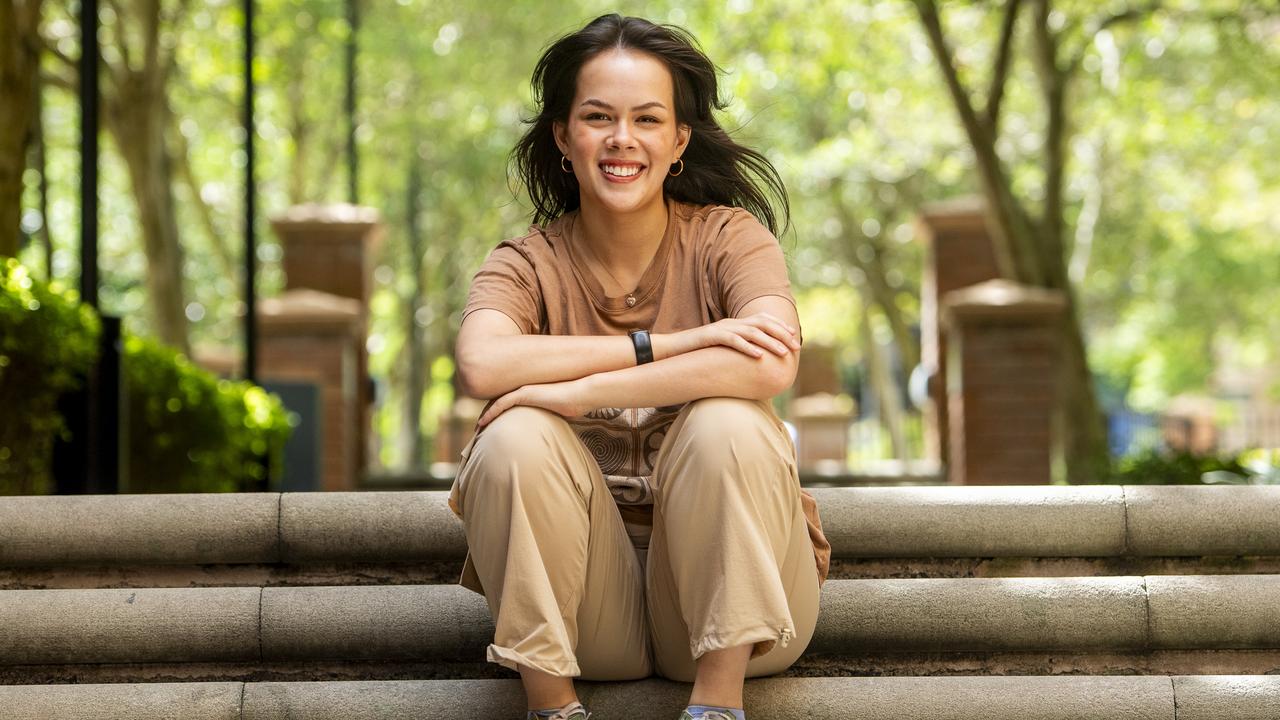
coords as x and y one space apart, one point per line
730 560
559 573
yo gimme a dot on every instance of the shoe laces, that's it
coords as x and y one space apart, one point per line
573 711
709 715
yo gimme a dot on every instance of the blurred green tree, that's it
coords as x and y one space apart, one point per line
1166 198
19 85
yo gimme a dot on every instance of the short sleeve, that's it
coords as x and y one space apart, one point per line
747 263
506 282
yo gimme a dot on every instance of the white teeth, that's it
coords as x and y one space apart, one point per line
621 170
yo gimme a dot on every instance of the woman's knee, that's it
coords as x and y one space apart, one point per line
519 433
723 432
725 417
521 443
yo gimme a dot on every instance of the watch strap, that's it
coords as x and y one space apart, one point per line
643 345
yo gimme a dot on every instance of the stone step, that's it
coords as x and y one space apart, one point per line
1194 697
1041 521
447 622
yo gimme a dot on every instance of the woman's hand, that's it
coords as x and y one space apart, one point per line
751 335
563 398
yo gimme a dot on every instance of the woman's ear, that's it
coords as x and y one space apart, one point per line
560 132
683 134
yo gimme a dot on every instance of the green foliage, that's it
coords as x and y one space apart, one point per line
188 430
192 432
1156 467
1262 467
47 342
1171 203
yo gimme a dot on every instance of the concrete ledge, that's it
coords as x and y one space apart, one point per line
946 615
384 527
112 626
152 529
974 521
123 701
1197 697
933 698
374 622
408 527
1239 697
1216 611
1203 520
949 698
446 622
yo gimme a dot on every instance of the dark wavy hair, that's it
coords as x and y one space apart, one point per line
717 170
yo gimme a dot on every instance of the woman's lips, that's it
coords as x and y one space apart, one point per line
622 179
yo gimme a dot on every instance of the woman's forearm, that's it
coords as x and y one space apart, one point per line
496 365
708 372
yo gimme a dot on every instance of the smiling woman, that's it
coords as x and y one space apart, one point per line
629 476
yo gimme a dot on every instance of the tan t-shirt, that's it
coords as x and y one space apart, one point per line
712 261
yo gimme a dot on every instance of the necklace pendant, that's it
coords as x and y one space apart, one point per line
631 300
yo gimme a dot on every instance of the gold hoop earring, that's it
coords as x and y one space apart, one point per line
564 158
677 173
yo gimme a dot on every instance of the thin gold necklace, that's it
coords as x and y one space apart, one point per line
630 299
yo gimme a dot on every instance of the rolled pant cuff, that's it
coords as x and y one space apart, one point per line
511 659
763 638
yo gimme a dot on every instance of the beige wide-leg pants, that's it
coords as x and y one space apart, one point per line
729 563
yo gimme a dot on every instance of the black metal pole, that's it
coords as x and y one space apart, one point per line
89 53
250 208
88 462
353 165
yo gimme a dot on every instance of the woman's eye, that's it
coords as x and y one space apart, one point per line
597 116
650 119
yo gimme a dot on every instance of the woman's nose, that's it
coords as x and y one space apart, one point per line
621 136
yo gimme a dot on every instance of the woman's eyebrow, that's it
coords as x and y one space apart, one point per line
607 106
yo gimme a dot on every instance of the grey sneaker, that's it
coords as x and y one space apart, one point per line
573 711
707 715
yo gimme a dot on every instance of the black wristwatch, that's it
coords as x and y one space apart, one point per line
644 348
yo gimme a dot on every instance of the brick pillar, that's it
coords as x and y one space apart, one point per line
958 254
1003 364
820 411
311 336
331 248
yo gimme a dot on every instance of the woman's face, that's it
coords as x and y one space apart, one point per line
622 136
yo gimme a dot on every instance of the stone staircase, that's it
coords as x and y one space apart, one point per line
1026 602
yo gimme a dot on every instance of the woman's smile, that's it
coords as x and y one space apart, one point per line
621 172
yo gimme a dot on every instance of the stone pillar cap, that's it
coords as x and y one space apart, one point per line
329 214
1001 298
968 212
822 406
313 310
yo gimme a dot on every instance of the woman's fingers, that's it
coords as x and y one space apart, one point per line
777 328
768 342
753 335
744 345
498 407
751 341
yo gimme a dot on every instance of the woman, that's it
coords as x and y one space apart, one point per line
630 500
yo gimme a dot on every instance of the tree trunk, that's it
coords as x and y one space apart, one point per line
19 67
411 451
42 167
1084 432
217 240
882 384
877 284
1036 251
137 117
